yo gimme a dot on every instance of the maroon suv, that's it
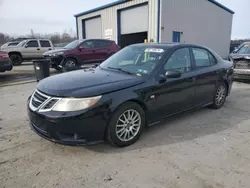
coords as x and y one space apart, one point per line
81 52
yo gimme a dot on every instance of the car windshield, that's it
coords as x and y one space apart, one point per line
73 44
245 49
22 43
137 60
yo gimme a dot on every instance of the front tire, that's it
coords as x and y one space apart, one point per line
220 96
16 59
126 125
69 64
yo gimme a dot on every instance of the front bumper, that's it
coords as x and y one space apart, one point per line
55 61
5 65
85 129
243 74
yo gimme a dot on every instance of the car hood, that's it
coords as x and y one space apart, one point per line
7 47
14 48
55 51
240 56
86 84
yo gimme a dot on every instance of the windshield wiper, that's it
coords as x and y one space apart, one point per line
120 69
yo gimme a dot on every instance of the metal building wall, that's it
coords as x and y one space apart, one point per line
201 22
109 18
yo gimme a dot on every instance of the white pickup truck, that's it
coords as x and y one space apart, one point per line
28 50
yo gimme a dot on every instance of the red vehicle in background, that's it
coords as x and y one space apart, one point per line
81 53
5 62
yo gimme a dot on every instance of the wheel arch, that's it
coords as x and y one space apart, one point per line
71 57
137 101
224 81
15 52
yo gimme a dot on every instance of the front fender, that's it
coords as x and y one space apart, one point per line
122 97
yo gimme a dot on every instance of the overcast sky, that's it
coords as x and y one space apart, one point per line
18 17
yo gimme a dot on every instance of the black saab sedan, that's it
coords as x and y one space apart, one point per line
135 88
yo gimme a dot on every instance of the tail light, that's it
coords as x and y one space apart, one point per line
4 55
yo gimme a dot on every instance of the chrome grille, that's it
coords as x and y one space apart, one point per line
50 104
242 65
38 99
42 102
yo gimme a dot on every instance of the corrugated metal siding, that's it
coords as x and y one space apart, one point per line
109 18
201 22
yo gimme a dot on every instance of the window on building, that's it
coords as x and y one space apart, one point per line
179 61
45 43
32 43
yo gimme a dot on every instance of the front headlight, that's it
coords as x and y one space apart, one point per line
72 104
60 53
57 54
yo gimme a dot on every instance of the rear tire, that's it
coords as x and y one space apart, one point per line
16 59
126 125
69 64
220 96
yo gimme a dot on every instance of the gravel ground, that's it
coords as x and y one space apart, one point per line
199 149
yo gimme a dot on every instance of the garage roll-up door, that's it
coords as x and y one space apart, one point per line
93 28
134 20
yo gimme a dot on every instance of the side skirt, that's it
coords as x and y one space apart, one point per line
163 118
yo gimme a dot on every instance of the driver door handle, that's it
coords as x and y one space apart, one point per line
38 48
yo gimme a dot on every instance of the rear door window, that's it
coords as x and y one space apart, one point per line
102 43
45 43
203 58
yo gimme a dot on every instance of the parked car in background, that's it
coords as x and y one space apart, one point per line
28 50
81 52
5 62
60 45
136 87
241 60
9 44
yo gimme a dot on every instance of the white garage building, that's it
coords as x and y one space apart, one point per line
203 22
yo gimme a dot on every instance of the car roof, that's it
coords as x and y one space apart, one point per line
99 39
167 45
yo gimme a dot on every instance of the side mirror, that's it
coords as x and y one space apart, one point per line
26 46
81 48
172 74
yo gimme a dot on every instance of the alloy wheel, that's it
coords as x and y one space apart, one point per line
15 59
220 95
70 64
128 125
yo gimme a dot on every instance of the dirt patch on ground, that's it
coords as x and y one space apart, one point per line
200 149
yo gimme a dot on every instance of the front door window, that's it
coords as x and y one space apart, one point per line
179 61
